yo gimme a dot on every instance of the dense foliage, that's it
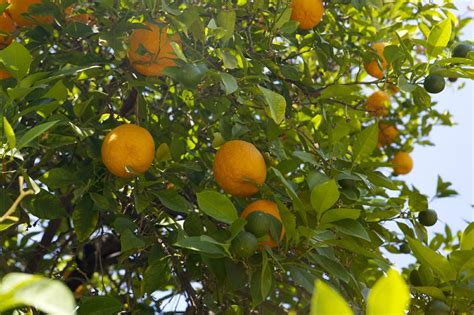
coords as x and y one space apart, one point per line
243 70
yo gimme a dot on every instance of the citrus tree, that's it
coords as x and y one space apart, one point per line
242 156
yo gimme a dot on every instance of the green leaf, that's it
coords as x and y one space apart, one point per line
389 295
303 278
237 226
35 132
338 214
100 201
217 206
432 259
171 199
267 276
226 20
17 59
405 85
365 143
421 97
439 38
46 295
203 244
84 218
130 242
178 51
353 228
276 104
59 177
169 9
9 133
156 276
99 305
163 153
282 18
326 301
467 239
324 196
229 82
379 179
417 202
434 292
47 206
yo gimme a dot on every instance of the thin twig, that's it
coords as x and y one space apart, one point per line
23 193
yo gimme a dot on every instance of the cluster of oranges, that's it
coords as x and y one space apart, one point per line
17 15
239 169
378 105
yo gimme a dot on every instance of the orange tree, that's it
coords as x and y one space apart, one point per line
295 98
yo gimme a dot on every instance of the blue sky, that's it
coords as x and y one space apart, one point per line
452 155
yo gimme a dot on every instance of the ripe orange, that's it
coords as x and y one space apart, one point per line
402 163
7 27
377 104
73 16
19 9
128 146
308 12
267 207
375 67
239 168
4 74
151 51
387 134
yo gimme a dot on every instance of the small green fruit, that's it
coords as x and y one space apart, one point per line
434 83
191 75
404 248
244 245
428 217
461 50
258 223
415 278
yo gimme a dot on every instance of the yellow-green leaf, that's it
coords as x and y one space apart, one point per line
326 301
390 295
9 133
439 38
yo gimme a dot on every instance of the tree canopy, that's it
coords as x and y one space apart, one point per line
261 152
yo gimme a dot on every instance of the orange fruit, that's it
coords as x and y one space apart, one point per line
7 27
19 9
402 163
73 16
128 146
377 104
267 207
387 134
375 67
308 12
151 51
239 168
4 74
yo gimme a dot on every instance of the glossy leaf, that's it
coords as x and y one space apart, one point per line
34 133
324 196
46 295
389 295
365 143
326 301
430 258
276 104
217 206
439 38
